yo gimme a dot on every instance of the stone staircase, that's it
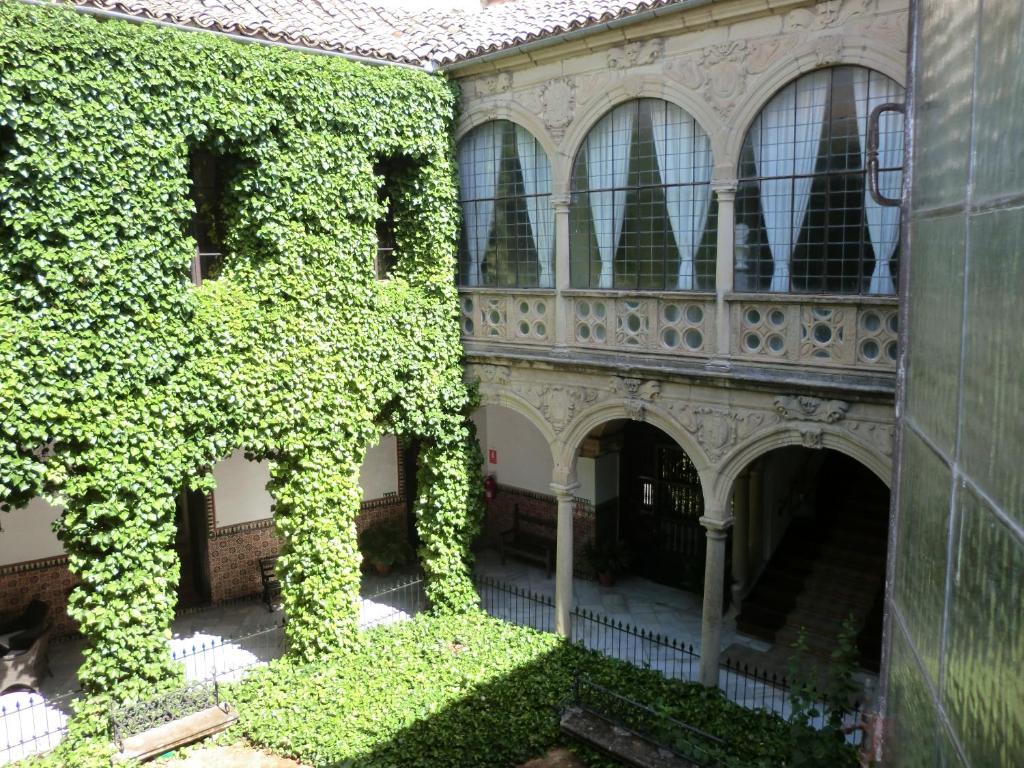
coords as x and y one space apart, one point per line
826 569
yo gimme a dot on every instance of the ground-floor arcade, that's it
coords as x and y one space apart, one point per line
720 492
711 489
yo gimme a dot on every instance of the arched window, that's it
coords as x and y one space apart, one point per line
508 226
641 214
805 220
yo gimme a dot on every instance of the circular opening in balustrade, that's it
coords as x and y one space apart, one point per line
599 310
524 328
467 325
777 318
822 333
753 316
583 309
541 307
821 313
694 314
670 338
583 331
894 323
670 313
540 329
467 305
524 307
752 342
494 316
693 338
776 343
869 350
599 332
871 322
892 350
633 323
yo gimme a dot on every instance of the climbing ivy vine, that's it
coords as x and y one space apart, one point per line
120 381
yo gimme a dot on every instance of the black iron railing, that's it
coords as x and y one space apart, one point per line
516 605
639 646
30 723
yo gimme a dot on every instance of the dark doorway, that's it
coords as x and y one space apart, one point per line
828 565
191 545
660 509
410 466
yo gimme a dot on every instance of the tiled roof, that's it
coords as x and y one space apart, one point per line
371 29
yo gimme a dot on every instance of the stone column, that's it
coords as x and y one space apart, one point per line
726 194
740 538
755 512
714 582
563 305
565 494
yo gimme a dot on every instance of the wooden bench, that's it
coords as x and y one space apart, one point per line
633 733
271 586
148 729
529 539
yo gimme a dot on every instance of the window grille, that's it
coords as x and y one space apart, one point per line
641 213
386 258
508 227
805 221
207 172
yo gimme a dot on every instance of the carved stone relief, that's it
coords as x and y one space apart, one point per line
558 404
827 50
805 408
891 30
635 54
554 102
717 430
638 393
489 86
825 15
493 374
721 71
881 436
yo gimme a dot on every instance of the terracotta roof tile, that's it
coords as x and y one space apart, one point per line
388 33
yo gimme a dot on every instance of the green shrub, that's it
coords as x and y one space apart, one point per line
463 691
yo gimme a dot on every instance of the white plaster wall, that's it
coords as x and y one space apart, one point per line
241 495
28 533
379 474
524 458
606 478
586 476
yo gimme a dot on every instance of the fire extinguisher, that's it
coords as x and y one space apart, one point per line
490 487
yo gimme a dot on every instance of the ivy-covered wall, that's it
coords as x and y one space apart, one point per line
120 381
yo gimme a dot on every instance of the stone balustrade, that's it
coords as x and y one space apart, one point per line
852 332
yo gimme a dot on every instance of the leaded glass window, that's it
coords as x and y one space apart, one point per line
508 227
805 221
641 213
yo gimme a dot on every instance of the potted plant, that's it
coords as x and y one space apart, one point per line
608 559
383 547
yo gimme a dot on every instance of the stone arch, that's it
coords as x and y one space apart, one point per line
515 402
628 88
832 437
509 110
854 51
565 457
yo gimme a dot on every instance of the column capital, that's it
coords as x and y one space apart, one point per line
724 190
560 202
565 492
717 528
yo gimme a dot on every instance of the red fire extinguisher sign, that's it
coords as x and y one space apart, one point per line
492 456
